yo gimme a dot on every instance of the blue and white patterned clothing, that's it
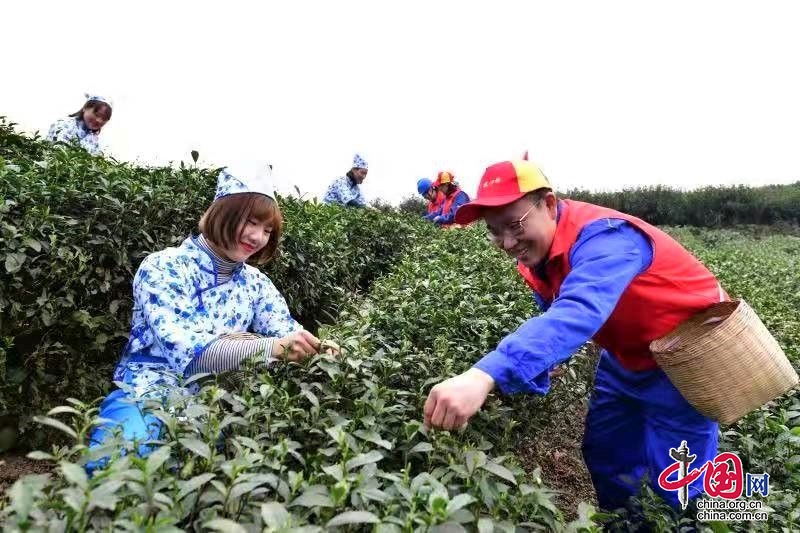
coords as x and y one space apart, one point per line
72 129
181 307
344 191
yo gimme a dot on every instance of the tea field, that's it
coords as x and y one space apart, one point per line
334 442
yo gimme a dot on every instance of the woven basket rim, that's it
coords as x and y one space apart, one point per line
677 339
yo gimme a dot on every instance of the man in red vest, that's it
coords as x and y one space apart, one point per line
598 275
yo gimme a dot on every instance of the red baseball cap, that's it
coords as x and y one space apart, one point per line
502 184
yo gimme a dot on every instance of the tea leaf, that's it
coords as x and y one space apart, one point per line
312 499
374 438
196 446
156 459
459 501
33 244
104 496
191 485
52 422
14 262
274 515
75 474
63 409
353 517
500 471
363 459
422 447
448 527
474 460
224 525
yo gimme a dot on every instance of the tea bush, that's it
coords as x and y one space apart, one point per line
710 206
332 442
446 304
763 270
74 228
325 443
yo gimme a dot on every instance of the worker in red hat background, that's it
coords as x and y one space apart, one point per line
600 275
454 198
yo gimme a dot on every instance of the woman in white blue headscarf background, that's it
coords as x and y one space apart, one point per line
193 302
83 126
346 190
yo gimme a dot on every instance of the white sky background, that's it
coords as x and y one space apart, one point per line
603 94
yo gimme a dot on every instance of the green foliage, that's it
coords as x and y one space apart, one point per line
445 304
319 444
333 443
413 205
705 206
764 271
74 228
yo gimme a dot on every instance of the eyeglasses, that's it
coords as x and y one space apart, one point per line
514 229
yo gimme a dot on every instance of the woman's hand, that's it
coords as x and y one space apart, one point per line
296 346
301 344
330 348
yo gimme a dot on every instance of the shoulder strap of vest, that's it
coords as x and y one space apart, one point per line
527 275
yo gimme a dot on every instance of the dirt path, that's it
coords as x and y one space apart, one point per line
13 467
558 453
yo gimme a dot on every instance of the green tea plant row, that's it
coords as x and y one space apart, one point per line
73 229
449 302
445 305
711 206
446 302
332 442
765 272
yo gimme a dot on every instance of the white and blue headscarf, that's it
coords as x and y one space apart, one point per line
93 97
359 162
236 179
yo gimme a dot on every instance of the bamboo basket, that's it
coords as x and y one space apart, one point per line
725 362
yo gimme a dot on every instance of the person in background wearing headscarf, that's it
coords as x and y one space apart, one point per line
83 127
454 198
431 193
203 306
345 190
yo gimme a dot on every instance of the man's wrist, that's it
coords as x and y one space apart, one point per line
484 378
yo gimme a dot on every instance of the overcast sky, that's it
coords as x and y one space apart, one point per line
603 94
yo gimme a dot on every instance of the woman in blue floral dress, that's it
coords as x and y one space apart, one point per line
83 127
193 302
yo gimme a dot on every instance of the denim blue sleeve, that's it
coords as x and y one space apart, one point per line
608 254
544 306
432 215
460 199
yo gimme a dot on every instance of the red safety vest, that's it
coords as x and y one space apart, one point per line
434 206
675 286
448 203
